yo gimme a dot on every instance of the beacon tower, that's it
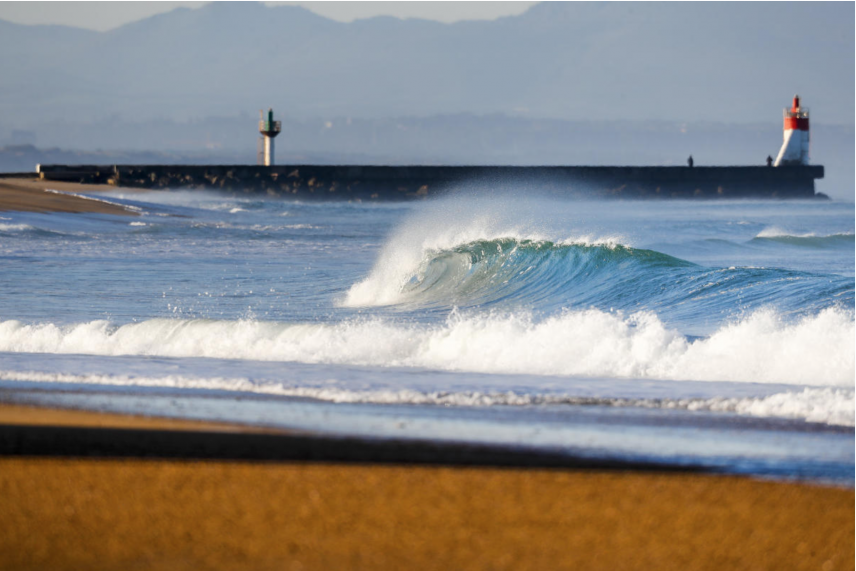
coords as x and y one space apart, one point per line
795 145
269 129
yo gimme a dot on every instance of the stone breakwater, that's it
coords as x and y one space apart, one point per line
326 182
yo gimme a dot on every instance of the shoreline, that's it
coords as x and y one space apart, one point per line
34 415
34 195
34 431
191 513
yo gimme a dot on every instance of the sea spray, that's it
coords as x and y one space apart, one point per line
487 270
447 224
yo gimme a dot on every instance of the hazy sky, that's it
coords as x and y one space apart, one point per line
107 15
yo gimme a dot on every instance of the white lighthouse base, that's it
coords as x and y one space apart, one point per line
269 148
794 149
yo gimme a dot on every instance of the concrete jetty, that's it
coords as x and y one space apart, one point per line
384 183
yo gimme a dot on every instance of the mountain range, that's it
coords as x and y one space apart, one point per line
679 61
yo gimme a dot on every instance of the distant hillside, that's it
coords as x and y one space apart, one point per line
688 61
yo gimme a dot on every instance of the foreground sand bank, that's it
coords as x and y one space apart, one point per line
73 513
121 514
33 195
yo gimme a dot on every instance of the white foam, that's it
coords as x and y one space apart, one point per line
830 406
777 232
762 347
14 227
87 197
826 405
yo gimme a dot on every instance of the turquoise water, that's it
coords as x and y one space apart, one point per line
710 333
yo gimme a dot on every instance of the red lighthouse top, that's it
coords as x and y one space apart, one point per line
796 118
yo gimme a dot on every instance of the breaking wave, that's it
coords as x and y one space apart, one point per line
469 254
762 347
27 230
14 227
503 269
509 272
807 240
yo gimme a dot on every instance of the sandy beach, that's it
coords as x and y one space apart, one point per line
73 513
34 195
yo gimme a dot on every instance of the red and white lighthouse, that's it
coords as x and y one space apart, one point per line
795 145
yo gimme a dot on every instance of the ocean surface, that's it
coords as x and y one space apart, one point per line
717 334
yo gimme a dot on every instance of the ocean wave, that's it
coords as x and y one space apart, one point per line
505 255
774 234
509 272
15 227
501 268
28 230
821 405
762 347
444 236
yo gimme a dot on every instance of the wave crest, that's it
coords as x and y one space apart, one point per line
808 240
500 269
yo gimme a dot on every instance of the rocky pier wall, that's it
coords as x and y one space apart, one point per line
325 182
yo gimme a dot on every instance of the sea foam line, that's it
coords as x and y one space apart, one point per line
86 197
822 405
777 232
11 227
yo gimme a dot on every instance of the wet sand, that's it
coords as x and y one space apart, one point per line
25 415
32 195
132 513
